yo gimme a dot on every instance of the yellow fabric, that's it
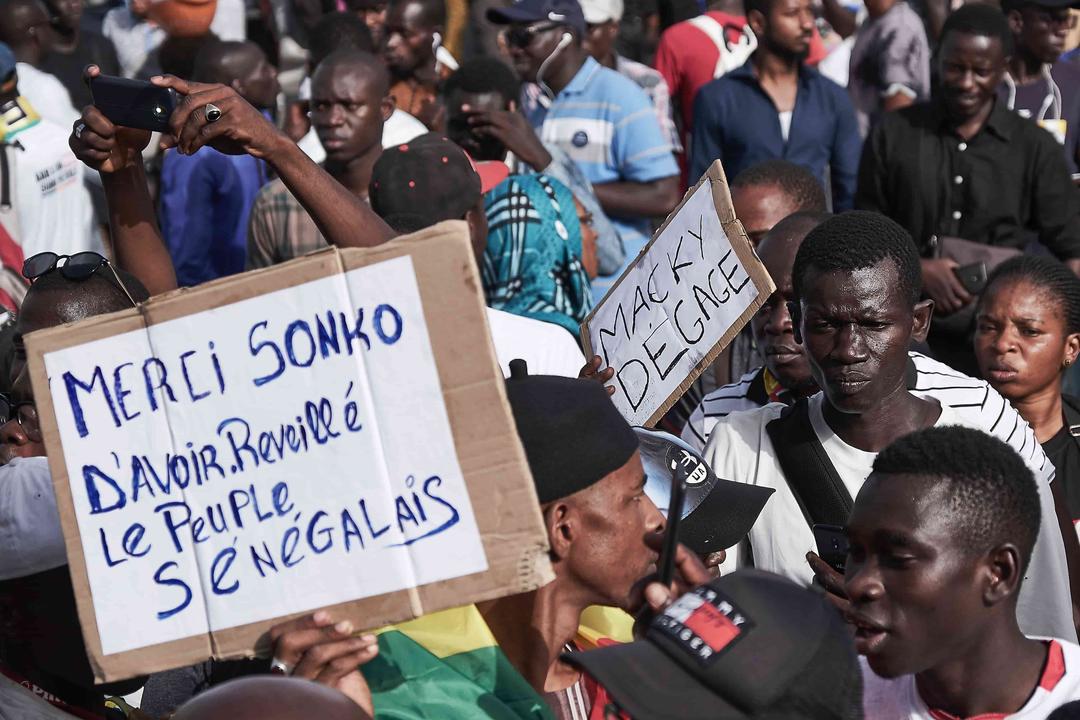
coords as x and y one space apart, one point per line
448 632
604 622
463 629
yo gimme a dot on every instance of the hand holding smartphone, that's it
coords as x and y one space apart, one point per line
832 544
133 103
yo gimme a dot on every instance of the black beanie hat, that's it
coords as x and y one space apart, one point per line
572 433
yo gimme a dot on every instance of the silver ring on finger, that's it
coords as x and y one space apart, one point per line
280 667
213 112
78 130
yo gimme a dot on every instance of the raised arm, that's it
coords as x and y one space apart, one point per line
344 219
116 153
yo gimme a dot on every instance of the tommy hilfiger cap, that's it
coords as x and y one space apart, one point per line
746 645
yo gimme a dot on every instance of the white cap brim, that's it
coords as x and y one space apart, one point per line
31 540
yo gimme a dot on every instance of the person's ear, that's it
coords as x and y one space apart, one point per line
1072 348
386 107
921 316
1000 573
1016 21
794 310
756 20
559 519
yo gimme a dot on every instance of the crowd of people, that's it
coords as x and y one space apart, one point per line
907 173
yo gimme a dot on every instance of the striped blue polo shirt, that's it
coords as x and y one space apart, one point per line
608 127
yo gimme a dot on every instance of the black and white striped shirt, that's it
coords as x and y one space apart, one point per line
973 398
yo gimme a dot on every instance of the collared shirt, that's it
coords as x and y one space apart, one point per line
890 55
737 122
280 229
205 202
655 87
607 125
1008 179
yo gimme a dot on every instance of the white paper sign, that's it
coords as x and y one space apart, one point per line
687 292
275 455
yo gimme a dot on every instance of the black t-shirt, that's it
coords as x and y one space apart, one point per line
92 48
1064 452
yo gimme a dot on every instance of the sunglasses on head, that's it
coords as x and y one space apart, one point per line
79 266
521 37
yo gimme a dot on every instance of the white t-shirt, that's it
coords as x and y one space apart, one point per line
898 699
47 95
547 348
51 200
740 449
785 124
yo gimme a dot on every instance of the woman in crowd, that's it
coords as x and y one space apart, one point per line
1027 334
538 251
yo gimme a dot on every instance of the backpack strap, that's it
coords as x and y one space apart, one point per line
817 487
1070 408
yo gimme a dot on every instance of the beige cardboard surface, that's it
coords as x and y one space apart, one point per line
488 451
748 259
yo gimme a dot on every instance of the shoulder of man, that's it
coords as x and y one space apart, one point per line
980 407
739 438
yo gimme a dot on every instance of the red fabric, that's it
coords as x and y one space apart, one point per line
686 57
11 256
1051 676
598 695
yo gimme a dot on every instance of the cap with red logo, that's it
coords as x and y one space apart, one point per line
747 645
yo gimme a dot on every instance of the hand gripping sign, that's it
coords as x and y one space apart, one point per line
684 299
332 432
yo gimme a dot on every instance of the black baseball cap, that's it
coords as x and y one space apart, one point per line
427 180
524 12
716 513
746 645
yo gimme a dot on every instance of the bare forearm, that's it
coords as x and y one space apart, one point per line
344 219
839 17
632 199
136 238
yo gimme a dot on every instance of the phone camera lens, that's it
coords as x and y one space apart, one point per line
159 111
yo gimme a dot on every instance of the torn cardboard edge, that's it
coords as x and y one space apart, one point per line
744 250
489 453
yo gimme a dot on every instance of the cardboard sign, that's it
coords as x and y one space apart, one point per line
332 432
690 291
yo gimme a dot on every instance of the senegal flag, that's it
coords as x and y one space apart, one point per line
448 665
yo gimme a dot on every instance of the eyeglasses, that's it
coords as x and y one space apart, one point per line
522 37
79 266
24 413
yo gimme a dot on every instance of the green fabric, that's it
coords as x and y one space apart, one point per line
408 682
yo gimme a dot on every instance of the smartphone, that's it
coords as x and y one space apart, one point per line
832 545
133 103
972 277
677 461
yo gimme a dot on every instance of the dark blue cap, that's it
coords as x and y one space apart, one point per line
7 62
565 12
